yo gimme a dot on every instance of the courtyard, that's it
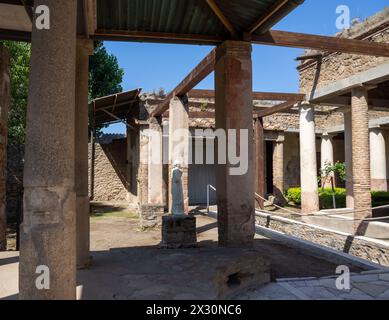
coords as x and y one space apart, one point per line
233 184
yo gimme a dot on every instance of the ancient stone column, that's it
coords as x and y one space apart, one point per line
234 107
48 232
378 168
348 158
308 166
278 169
360 153
327 156
4 105
179 143
84 50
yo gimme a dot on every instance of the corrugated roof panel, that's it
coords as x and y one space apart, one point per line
186 17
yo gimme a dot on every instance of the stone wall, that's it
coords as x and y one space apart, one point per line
369 249
111 177
335 66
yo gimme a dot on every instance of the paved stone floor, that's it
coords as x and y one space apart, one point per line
127 264
368 285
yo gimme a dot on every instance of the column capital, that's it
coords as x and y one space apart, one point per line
241 49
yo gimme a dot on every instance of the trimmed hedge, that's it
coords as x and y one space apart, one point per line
379 198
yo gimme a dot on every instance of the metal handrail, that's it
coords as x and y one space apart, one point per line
209 186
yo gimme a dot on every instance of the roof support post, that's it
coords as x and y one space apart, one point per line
234 115
48 231
84 50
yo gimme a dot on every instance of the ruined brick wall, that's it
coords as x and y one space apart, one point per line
374 251
111 178
337 66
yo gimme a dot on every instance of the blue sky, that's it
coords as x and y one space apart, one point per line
154 66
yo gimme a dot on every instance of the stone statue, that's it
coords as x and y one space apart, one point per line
177 192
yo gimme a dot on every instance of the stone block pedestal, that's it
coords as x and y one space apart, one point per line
178 232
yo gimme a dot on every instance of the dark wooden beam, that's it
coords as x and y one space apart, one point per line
278 108
331 44
223 19
272 96
29 3
202 70
15 35
274 9
155 37
29 9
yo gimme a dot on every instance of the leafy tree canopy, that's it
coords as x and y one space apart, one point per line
105 78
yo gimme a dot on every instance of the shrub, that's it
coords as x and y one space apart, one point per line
379 198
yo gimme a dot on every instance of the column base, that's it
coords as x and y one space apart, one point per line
178 232
150 215
309 202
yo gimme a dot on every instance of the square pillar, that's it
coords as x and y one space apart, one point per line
4 105
348 158
84 50
278 169
308 165
234 109
150 178
155 172
48 231
179 143
259 161
378 168
360 153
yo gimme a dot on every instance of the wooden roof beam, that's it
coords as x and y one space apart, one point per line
155 37
271 12
202 70
223 19
278 108
272 96
323 43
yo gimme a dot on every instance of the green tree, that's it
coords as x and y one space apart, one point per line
105 78
20 53
105 75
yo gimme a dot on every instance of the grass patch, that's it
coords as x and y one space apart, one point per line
115 213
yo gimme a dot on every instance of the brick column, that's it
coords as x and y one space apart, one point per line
179 143
327 155
378 168
48 232
4 105
278 169
348 158
84 50
308 166
360 153
234 108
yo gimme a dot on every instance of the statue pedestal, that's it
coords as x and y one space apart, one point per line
178 232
